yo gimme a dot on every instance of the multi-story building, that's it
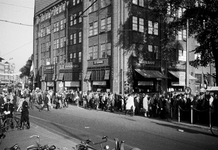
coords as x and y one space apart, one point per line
87 45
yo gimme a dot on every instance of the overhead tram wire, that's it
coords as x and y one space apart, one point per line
16 5
17 48
22 24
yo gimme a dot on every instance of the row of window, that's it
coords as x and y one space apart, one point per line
104 26
139 2
94 3
57 26
47 15
73 38
59 43
104 52
76 2
74 56
138 25
73 18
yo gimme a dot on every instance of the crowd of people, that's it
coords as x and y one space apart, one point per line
164 106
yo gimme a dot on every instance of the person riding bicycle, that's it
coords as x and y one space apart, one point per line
8 109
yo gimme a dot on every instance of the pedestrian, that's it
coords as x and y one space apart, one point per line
145 105
24 114
46 102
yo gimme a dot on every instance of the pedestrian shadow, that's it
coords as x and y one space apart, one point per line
186 129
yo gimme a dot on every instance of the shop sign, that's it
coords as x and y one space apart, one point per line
149 62
98 62
48 67
145 83
103 83
72 84
50 83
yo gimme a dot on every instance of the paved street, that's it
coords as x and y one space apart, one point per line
144 133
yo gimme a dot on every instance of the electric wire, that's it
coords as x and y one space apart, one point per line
16 5
16 23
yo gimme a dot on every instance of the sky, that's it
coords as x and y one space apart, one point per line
16 31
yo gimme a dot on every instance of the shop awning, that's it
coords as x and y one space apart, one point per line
61 76
88 75
178 74
107 75
150 73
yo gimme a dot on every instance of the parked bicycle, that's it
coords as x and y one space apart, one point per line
89 145
38 146
14 147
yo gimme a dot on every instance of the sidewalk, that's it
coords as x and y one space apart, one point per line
22 138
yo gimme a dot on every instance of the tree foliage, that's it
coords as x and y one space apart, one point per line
202 20
26 70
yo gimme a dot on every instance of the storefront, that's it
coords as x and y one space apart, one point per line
148 81
177 80
98 80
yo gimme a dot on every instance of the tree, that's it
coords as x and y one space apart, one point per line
25 70
200 16
135 43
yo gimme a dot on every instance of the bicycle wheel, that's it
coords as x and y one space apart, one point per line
9 124
214 130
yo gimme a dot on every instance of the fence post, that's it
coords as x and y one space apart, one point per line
210 117
178 114
191 114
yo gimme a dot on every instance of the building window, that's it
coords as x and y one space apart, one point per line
108 49
135 2
95 28
74 38
94 6
179 35
80 17
57 43
80 37
95 52
62 41
103 24
74 19
103 51
152 27
141 25
137 24
108 23
91 29
80 57
71 39
90 56
138 2
56 26
74 2
150 48
62 24
71 20
48 30
134 23
103 3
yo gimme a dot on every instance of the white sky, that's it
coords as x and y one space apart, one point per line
16 41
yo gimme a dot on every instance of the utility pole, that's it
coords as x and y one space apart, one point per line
187 54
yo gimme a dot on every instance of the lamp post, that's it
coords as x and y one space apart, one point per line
187 54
